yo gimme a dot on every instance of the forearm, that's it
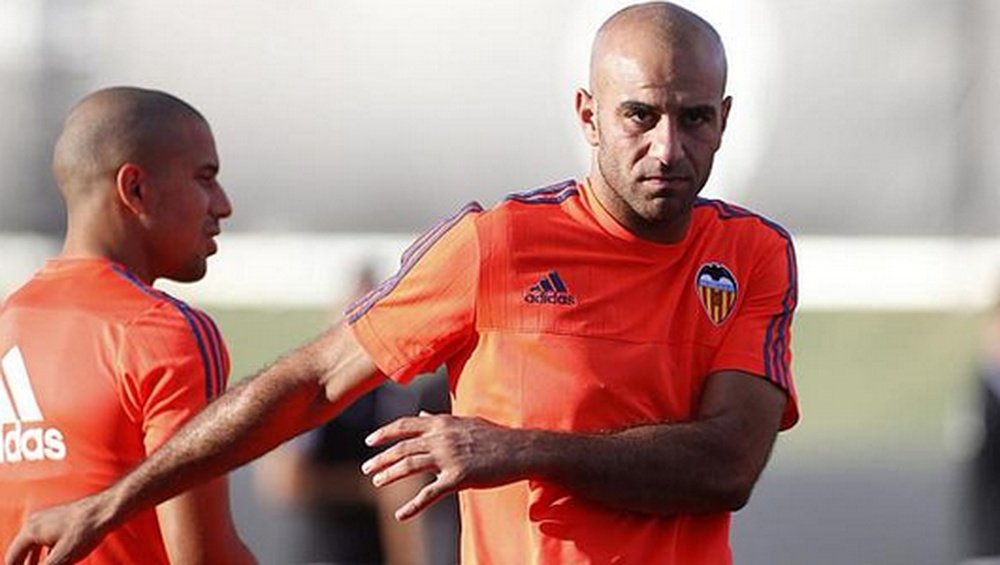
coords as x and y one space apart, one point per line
659 469
707 465
248 420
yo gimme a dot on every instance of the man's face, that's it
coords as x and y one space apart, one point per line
658 117
188 204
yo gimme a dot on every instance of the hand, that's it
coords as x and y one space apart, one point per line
71 532
461 452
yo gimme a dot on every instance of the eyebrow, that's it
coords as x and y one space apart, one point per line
635 105
702 109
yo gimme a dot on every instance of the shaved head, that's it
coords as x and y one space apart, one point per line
671 28
655 114
111 127
138 170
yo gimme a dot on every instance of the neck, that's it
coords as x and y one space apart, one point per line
668 230
107 239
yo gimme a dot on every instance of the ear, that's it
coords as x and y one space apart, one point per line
586 112
129 182
727 104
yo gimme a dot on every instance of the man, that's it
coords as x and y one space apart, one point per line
618 349
101 368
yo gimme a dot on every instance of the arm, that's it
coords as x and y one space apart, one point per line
197 527
707 465
297 392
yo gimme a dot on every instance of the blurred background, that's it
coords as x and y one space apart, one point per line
867 127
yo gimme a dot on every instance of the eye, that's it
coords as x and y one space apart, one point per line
640 115
695 117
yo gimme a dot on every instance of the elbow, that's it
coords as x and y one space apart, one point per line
735 496
733 492
735 478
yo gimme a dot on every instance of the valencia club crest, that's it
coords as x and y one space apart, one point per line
717 290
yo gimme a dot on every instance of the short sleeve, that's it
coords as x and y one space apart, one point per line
758 340
173 363
425 312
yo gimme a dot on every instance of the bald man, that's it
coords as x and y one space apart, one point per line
100 368
618 348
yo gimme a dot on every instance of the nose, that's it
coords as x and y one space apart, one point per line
222 207
665 144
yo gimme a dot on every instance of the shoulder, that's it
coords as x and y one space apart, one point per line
155 309
555 193
170 336
741 222
533 206
167 323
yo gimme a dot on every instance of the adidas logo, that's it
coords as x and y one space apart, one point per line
550 290
21 439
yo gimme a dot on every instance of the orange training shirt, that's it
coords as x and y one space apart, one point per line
98 370
551 315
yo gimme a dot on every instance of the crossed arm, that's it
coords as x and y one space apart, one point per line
706 465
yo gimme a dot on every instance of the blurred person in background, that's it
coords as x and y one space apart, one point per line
99 367
345 518
618 349
981 496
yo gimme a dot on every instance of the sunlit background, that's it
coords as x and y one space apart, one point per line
869 128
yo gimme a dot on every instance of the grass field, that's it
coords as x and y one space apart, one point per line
870 383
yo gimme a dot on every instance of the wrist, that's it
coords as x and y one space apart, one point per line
108 508
535 455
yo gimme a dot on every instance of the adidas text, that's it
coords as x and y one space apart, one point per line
550 298
31 444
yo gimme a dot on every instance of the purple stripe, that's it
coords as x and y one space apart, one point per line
181 308
789 302
550 200
410 259
213 345
185 311
548 189
136 281
775 339
728 211
416 249
432 234
776 346
554 198
223 372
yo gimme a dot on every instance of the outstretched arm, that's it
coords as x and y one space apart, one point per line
707 465
299 391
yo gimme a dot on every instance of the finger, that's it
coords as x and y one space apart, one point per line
427 496
393 454
398 429
20 550
59 555
35 556
404 468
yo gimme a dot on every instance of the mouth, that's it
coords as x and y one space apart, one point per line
212 245
665 185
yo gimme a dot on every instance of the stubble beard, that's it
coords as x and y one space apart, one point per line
629 199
